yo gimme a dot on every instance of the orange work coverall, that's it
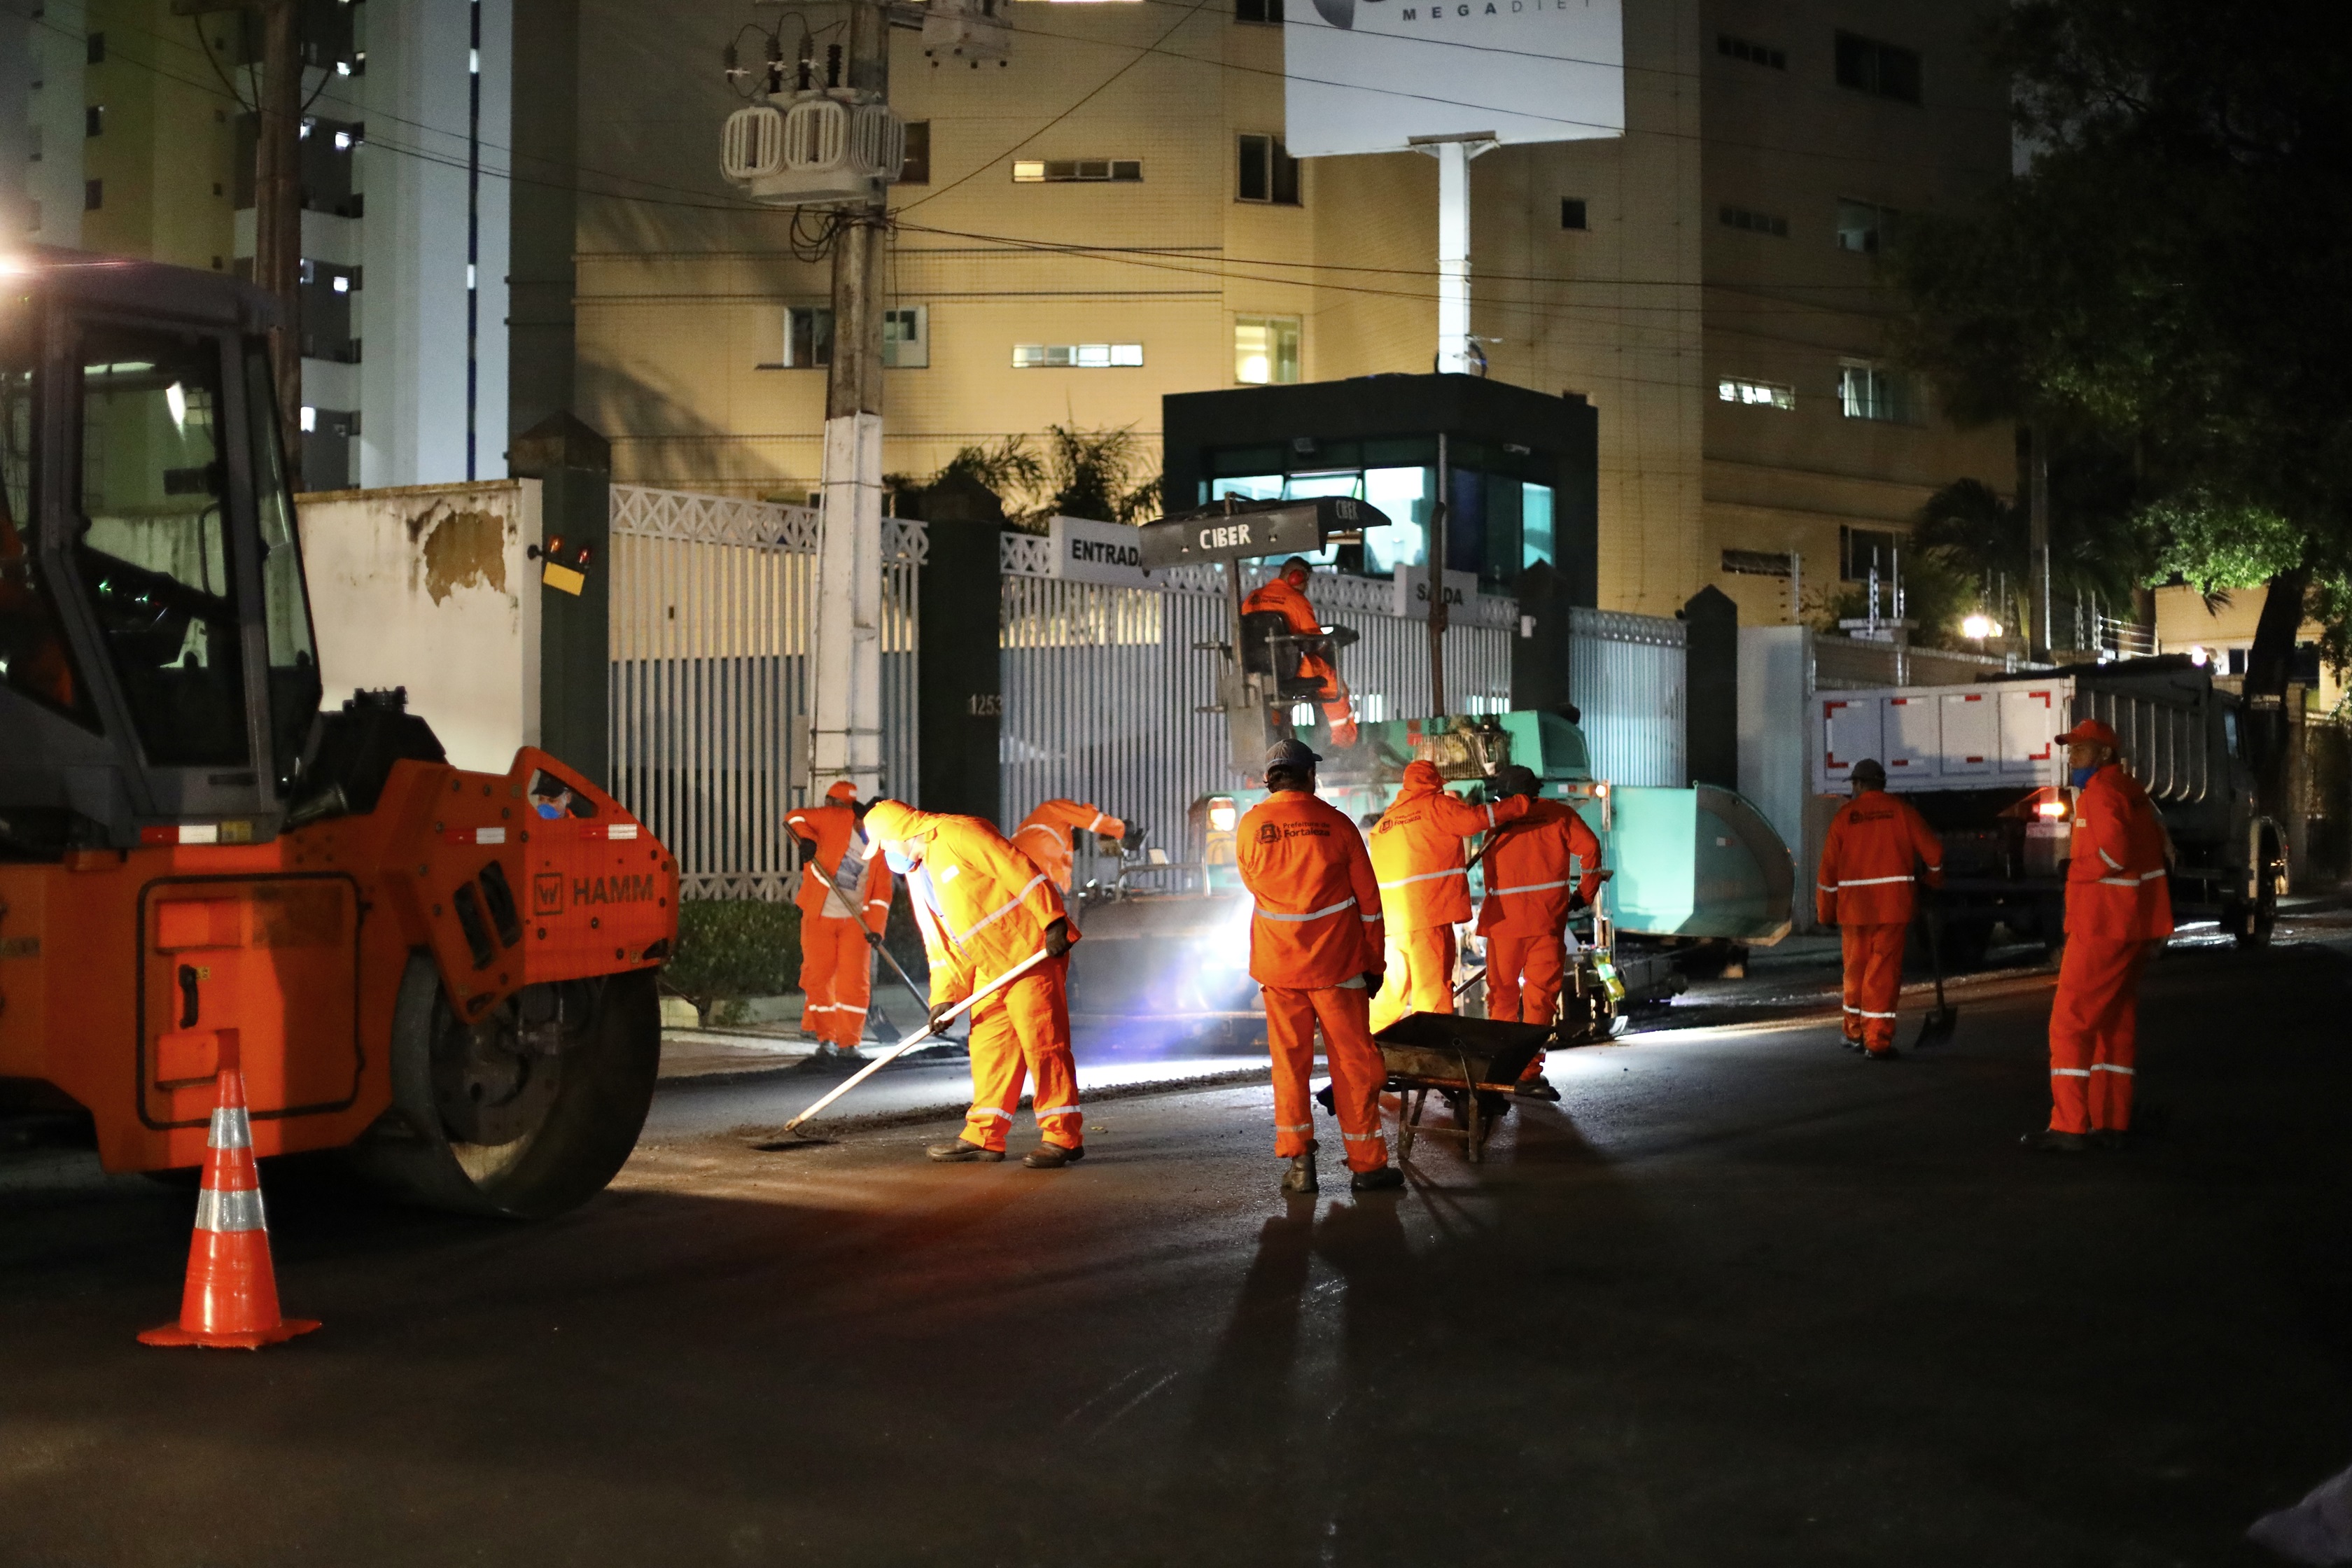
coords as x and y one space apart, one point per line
1314 936
1290 600
983 907
1538 869
837 965
1868 865
1044 834
1425 881
2117 905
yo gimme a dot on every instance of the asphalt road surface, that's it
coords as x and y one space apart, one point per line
1740 1298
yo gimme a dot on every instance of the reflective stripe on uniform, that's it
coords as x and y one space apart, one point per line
240 1210
2113 864
1534 887
982 1112
1347 902
1361 1137
1293 1127
2110 1066
1096 825
1872 882
1426 877
1868 1014
1002 909
1057 1111
2070 1072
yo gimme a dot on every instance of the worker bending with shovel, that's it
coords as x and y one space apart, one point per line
1314 951
1424 880
1044 834
1540 869
1873 855
1286 596
844 909
985 910
2119 910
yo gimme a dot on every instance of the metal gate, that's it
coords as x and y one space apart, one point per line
713 612
1627 676
1103 685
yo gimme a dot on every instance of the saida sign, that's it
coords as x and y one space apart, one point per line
1372 76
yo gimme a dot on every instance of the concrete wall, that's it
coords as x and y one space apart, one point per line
429 587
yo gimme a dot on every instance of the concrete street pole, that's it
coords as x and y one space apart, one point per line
846 733
278 214
2037 540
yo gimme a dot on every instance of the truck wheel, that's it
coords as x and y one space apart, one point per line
525 1113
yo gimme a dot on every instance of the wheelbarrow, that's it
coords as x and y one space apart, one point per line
1471 1062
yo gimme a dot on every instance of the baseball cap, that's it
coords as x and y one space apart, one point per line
1870 770
842 790
1290 753
1516 778
2089 731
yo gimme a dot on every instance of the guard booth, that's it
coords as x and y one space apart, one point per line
1516 469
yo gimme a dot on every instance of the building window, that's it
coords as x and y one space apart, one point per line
906 338
33 143
93 195
808 337
1753 53
1873 392
1756 394
1269 172
1864 227
1267 11
1266 350
1882 70
916 168
1755 222
1571 212
1861 548
1057 171
1077 356
96 54
94 119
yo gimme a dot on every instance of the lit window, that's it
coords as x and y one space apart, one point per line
1873 392
1756 394
310 419
1059 171
1077 356
1266 350
1864 227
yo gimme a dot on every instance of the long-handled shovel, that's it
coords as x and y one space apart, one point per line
929 1028
1940 1023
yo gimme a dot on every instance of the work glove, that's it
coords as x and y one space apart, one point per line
1133 841
874 939
939 1019
1372 980
1057 939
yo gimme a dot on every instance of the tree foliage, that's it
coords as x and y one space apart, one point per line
1107 474
2168 275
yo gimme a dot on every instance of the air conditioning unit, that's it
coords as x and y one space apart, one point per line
813 149
965 30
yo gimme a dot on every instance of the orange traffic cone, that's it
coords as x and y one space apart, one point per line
232 1297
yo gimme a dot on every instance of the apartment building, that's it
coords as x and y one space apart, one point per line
128 131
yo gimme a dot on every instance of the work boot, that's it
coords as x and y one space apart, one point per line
2050 1141
1854 1043
1300 1176
2114 1139
1878 1054
960 1150
1536 1089
1379 1179
1053 1156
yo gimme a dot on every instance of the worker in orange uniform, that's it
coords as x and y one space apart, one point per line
983 907
1426 884
1314 951
840 925
1540 870
1044 834
2118 909
1870 862
1286 596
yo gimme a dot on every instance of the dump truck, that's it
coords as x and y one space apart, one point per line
449 974
1982 765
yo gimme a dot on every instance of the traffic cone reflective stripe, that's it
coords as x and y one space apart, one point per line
231 1299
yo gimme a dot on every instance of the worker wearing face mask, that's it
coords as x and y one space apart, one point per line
843 913
2118 911
983 907
1286 595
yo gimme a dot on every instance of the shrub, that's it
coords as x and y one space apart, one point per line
728 949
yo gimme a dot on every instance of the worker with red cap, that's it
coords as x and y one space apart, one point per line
1286 596
1425 881
1540 870
1044 834
1876 851
983 907
1314 951
843 913
2118 909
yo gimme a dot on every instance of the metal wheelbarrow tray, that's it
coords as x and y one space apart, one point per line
1465 1059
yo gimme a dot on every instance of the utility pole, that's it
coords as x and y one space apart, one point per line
2037 536
847 732
1437 553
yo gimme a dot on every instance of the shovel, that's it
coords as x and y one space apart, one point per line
1940 1024
931 1027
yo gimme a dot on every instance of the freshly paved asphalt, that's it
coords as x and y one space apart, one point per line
1740 1298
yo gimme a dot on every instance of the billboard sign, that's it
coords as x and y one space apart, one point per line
1369 76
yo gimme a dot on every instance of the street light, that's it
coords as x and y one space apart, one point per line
1980 626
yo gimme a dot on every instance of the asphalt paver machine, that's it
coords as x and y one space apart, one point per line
450 975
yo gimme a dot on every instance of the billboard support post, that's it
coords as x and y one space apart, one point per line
1454 354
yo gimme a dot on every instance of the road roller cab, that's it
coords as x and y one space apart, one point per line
450 973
